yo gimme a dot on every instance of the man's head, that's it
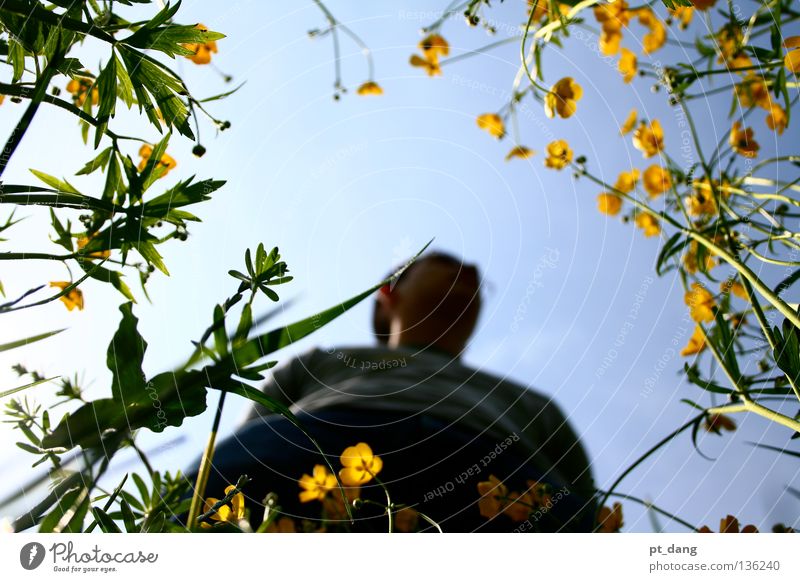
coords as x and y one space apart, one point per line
434 303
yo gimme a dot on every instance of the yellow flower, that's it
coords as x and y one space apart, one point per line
316 487
792 58
716 423
609 204
742 142
627 65
703 4
733 286
649 224
73 298
702 199
657 35
690 259
434 46
697 343
84 240
360 465
228 513
610 520
202 50
729 42
80 89
520 506
684 14
649 138
613 17
167 162
563 98
492 123
626 181
521 152
629 123
559 155
776 118
700 302
282 525
493 494
656 180
369 88
753 90
406 519
431 66
730 524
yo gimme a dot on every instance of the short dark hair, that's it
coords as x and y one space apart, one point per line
380 324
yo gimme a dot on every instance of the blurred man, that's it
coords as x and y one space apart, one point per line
439 426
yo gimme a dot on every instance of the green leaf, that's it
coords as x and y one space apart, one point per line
106 84
220 335
53 182
144 491
99 162
124 358
68 513
29 340
26 386
151 255
106 523
127 517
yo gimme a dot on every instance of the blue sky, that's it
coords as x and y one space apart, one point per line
348 189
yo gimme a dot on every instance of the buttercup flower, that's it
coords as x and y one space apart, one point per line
626 181
733 286
202 50
649 224
72 299
649 138
492 123
433 46
752 91
559 155
627 65
360 465
610 520
609 204
228 513
703 4
431 67
629 123
81 89
792 58
493 494
657 35
613 17
316 486
520 506
167 162
700 303
691 258
684 14
369 88
521 152
742 142
730 524
656 180
697 343
702 199
776 118
84 240
563 98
